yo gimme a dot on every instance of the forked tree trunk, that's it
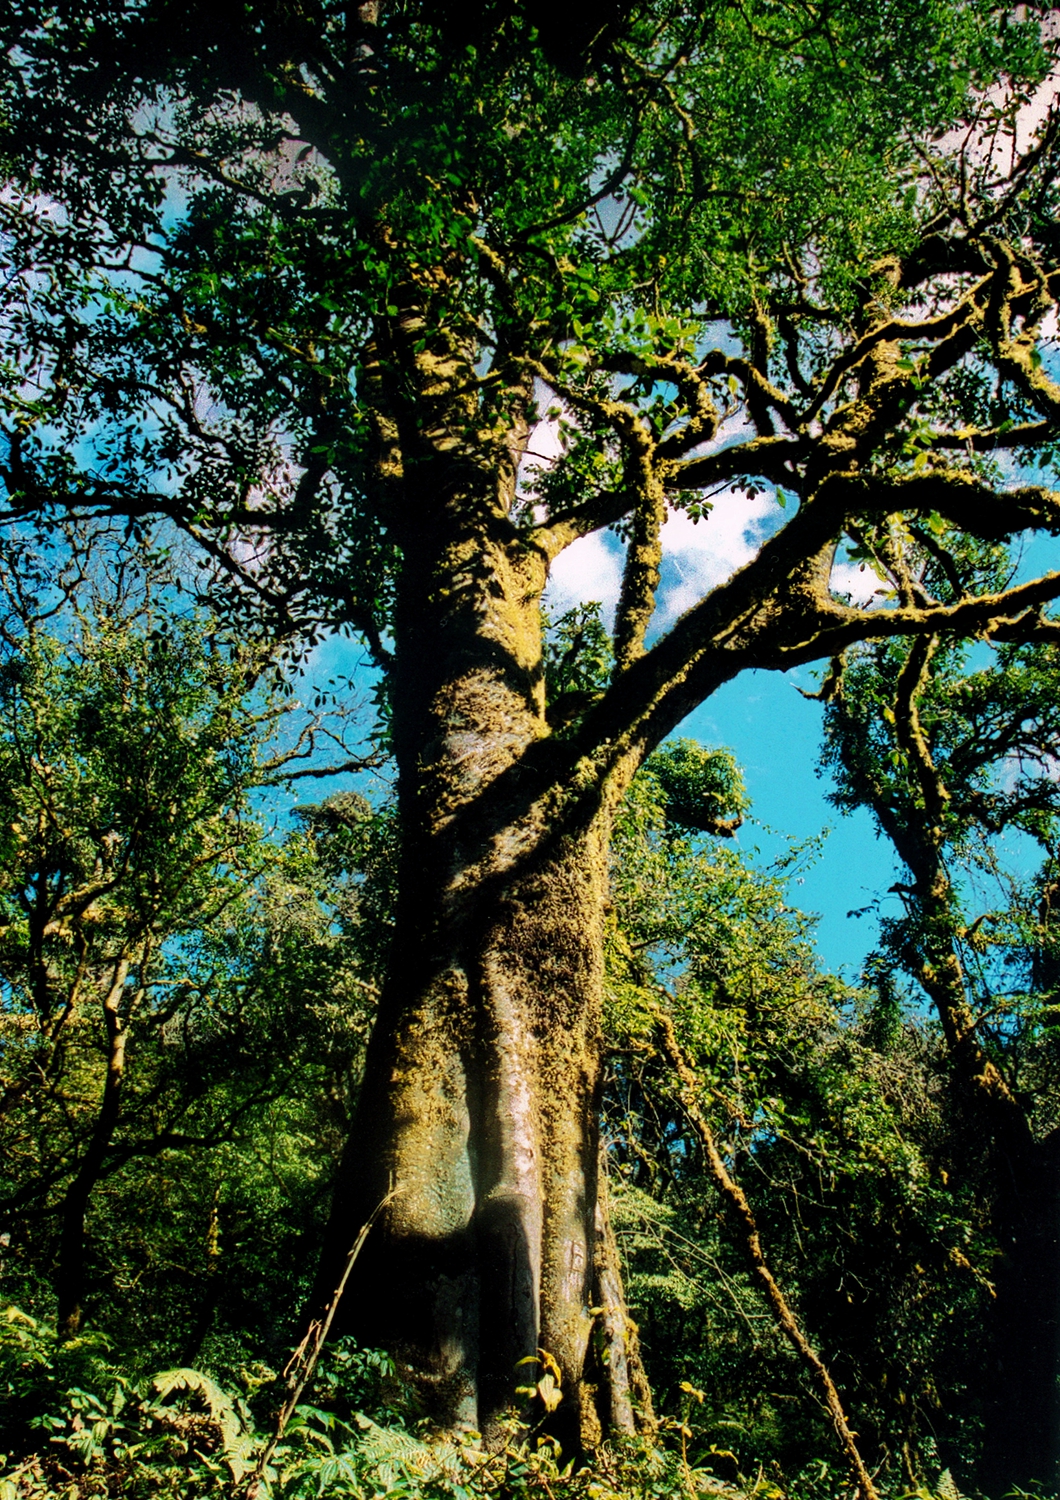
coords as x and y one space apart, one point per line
480 1102
481 1105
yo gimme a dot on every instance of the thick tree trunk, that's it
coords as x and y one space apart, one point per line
480 1102
481 1107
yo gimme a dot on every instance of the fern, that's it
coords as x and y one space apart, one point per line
395 1454
947 1489
223 1415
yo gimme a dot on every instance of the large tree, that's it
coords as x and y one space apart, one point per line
305 278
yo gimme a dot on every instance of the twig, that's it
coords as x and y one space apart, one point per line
745 1216
303 1361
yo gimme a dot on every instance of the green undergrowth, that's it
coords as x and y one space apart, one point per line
74 1423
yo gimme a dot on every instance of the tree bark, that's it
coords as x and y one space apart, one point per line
480 1100
480 1105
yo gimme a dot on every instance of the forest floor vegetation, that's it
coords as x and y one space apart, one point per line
77 1423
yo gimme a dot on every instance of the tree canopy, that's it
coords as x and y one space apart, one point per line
266 265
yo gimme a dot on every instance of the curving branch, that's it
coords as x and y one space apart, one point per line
703 418
687 1090
778 612
770 458
763 395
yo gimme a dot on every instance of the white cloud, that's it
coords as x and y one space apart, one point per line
859 582
698 556
1001 149
589 569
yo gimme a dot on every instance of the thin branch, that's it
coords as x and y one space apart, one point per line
744 1216
303 1362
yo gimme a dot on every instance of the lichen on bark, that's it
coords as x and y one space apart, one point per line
480 1102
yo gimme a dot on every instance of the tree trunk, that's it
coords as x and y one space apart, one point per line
480 1101
70 1271
480 1105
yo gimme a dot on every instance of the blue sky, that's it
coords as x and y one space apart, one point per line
776 733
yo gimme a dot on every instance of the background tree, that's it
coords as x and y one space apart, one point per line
305 281
952 750
164 969
829 1111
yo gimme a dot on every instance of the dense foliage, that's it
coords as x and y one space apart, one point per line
242 1067
953 749
377 310
167 968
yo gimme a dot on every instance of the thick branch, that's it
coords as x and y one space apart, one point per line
759 618
961 497
770 458
987 439
640 577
